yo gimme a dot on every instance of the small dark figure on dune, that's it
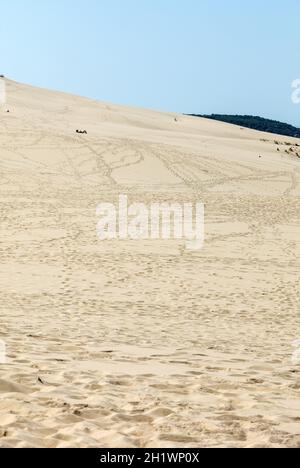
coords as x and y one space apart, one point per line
82 132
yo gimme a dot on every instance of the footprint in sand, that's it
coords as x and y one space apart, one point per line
10 387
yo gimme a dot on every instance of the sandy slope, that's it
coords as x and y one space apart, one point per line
145 344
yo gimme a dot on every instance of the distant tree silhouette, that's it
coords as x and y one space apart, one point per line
256 123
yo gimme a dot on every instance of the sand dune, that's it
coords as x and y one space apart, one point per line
145 344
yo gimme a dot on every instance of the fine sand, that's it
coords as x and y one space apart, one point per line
144 343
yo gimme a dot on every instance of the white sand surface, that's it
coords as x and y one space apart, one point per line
143 343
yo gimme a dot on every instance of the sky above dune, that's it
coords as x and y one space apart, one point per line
192 56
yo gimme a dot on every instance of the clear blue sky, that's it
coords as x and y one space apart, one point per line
202 56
